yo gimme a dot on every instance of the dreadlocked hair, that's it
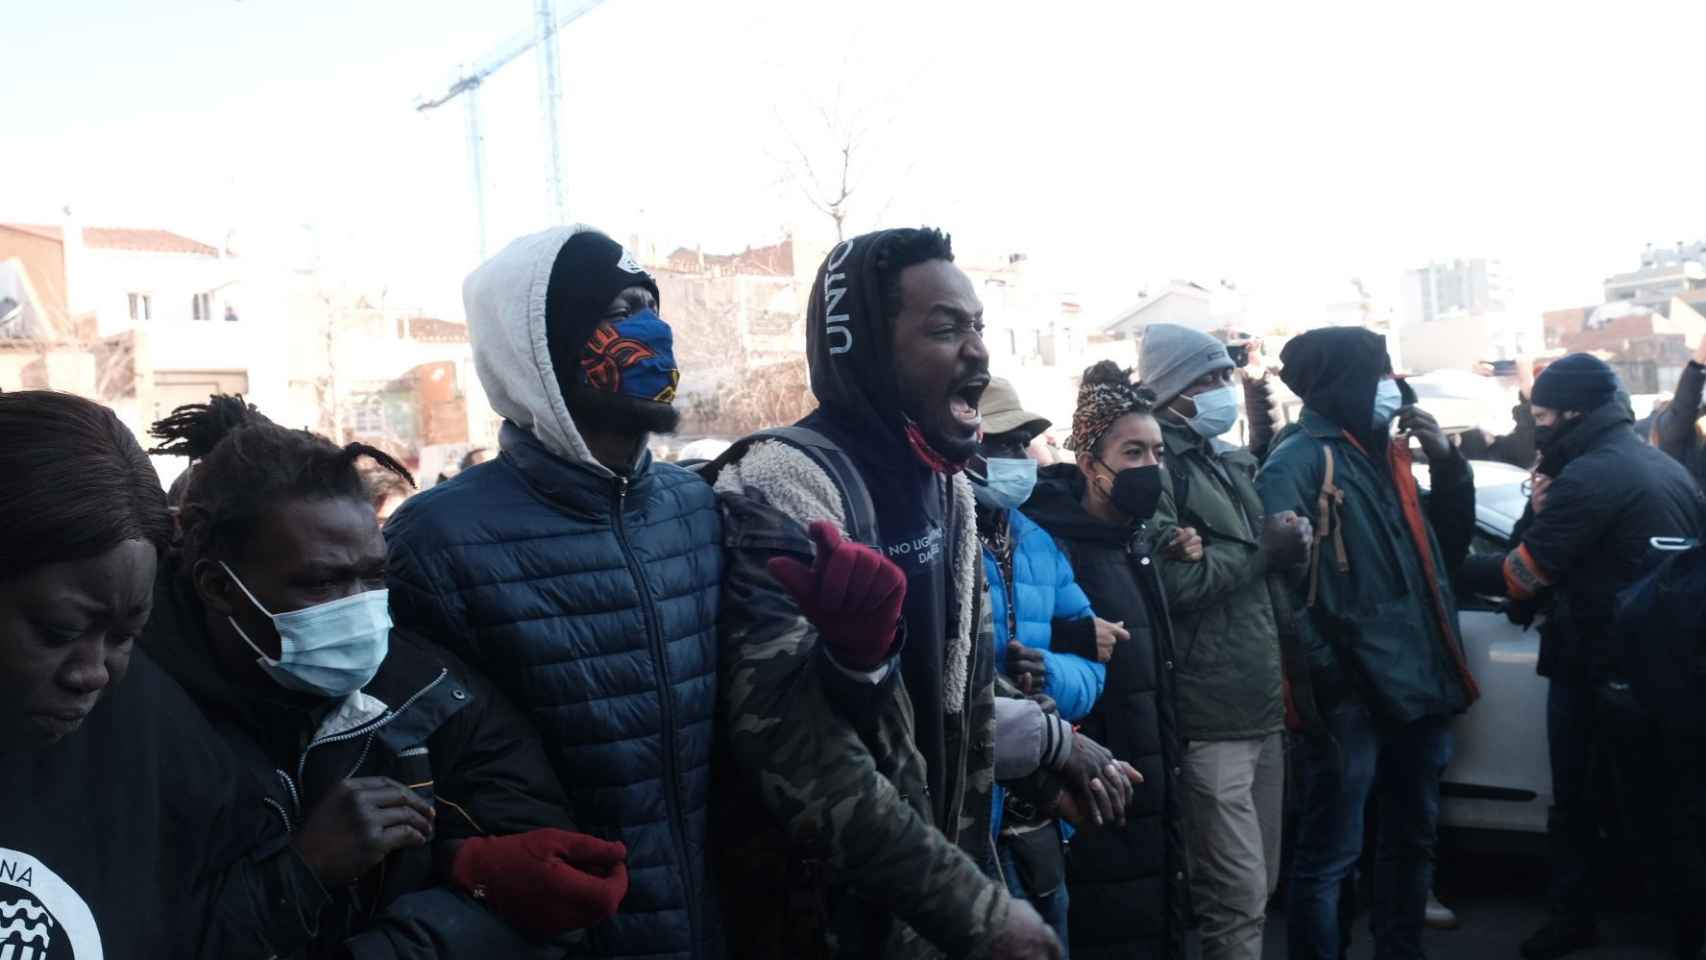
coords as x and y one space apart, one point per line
1105 394
245 465
900 249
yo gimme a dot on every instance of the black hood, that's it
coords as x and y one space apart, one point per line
849 342
1336 371
1057 506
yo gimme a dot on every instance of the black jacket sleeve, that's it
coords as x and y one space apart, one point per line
442 922
1259 412
1451 509
491 768
1676 423
491 778
1077 637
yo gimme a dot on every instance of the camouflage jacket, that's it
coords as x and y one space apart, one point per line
829 844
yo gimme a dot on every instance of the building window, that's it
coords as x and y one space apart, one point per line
201 307
367 417
141 307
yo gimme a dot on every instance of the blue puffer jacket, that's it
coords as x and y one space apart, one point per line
1045 591
591 599
1043 581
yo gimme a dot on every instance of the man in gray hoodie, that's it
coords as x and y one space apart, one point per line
581 575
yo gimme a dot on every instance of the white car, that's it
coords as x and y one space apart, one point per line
1500 777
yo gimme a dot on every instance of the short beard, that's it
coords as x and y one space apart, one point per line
953 451
604 412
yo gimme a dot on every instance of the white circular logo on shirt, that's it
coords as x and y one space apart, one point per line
41 916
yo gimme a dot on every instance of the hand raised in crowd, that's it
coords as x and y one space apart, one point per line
1186 545
1024 935
851 593
360 823
1098 787
1285 540
1700 352
544 881
1255 365
1027 667
1418 423
1107 635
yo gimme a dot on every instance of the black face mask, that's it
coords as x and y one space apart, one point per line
1136 491
1546 439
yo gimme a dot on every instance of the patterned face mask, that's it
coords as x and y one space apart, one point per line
634 357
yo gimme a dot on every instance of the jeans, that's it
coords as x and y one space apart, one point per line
1338 768
1050 904
1572 828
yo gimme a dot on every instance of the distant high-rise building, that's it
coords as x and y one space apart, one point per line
1475 287
1665 272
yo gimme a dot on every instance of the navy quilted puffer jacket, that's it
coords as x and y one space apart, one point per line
604 631
590 598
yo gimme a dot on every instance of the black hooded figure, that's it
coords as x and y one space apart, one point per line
1372 651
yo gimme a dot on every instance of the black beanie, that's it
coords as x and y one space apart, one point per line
1579 381
590 270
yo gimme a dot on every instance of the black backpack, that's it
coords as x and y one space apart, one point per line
831 459
1662 627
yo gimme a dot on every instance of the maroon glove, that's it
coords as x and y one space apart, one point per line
851 594
544 881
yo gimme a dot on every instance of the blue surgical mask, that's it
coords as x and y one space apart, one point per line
1387 400
1008 483
1217 411
330 649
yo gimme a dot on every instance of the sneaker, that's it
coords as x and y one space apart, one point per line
1560 938
1440 916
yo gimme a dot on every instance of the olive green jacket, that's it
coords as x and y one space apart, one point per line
1225 635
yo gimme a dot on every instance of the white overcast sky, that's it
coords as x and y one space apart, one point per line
1285 146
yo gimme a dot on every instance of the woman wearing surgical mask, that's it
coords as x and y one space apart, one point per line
1047 640
421 802
1127 883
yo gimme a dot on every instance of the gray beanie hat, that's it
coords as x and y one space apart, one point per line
1173 357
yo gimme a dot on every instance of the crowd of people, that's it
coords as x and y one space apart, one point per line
874 684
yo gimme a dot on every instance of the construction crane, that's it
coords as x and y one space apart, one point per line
546 22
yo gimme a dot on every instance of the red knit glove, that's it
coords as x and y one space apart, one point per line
851 594
544 881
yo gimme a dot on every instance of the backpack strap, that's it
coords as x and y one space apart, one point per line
827 456
1181 492
1328 523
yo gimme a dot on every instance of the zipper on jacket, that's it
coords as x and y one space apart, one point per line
666 711
366 729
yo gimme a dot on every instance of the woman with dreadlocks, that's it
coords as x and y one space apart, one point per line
1127 883
420 800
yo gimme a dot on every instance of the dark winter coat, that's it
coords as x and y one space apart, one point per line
590 597
139 837
1128 883
1382 626
1611 495
1376 632
425 720
1225 630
